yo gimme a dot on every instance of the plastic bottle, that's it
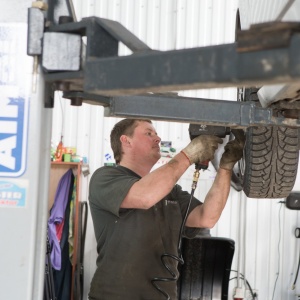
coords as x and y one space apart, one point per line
59 151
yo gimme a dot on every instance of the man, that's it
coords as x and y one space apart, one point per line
137 214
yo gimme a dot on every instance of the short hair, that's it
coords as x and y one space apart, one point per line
126 127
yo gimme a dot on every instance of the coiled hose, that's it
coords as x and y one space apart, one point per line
178 257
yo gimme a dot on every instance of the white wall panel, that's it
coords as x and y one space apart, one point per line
253 223
257 11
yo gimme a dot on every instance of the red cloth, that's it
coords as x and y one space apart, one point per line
59 230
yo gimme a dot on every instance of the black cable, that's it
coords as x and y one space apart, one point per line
296 277
253 295
178 257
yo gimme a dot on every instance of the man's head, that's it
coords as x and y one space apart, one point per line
124 127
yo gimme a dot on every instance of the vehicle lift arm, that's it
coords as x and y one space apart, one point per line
94 73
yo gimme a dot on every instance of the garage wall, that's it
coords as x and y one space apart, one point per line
266 250
257 11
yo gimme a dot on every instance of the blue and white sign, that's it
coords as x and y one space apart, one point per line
14 101
12 194
13 136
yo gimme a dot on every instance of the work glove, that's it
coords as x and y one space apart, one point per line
202 148
233 151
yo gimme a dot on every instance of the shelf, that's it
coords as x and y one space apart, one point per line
66 163
57 170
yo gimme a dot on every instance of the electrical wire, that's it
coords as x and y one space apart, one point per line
242 234
245 233
62 114
278 247
253 294
297 273
178 257
72 9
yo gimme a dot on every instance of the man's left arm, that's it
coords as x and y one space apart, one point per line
207 214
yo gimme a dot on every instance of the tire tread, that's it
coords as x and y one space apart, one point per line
271 161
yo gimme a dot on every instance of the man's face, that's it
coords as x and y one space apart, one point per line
145 142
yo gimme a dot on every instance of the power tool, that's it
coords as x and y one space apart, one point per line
202 129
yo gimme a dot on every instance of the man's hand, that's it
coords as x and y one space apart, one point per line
202 148
233 152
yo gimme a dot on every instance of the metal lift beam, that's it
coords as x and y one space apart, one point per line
205 67
242 64
170 107
196 110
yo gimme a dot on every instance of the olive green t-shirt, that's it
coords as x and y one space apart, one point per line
130 242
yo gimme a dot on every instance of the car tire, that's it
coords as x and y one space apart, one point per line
271 154
270 161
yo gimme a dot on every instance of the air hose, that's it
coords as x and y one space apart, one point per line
178 257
